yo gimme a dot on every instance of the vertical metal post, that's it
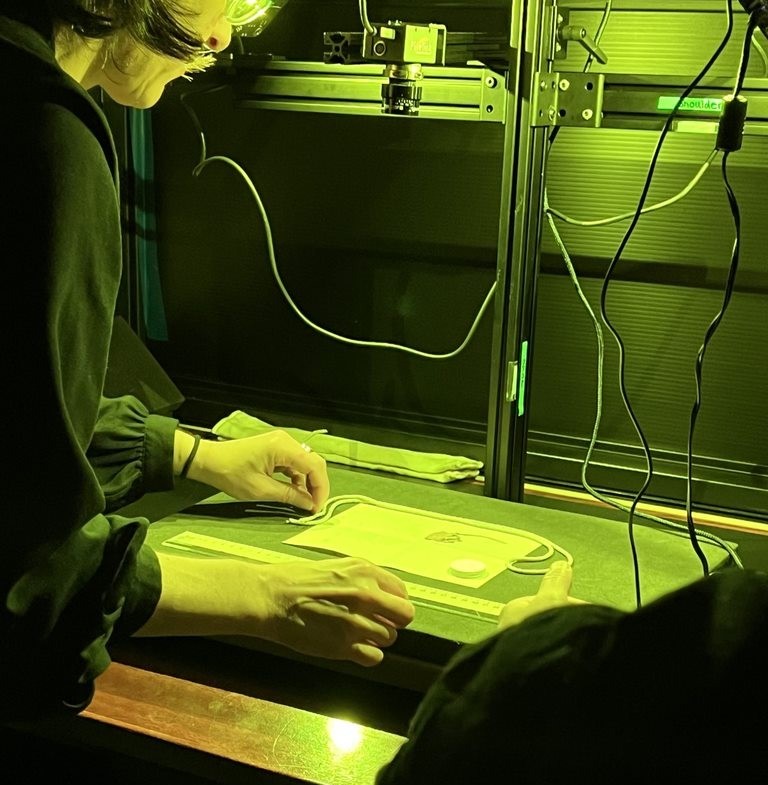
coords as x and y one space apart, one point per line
521 212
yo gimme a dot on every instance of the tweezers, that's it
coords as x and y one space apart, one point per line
248 509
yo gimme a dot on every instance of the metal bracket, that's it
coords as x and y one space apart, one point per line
568 99
513 371
567 32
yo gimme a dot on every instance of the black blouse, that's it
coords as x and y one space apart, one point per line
73 575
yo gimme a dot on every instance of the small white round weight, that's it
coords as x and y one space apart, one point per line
467 568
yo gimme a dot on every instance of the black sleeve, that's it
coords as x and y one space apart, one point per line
491 696
131 450
71 576
592 694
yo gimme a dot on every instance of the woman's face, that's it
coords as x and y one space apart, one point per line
136 76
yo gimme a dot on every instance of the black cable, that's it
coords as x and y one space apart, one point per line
732 270
607 279
730 133
700 360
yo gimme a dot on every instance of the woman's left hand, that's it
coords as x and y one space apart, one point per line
554 591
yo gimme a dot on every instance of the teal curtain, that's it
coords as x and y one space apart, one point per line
150 289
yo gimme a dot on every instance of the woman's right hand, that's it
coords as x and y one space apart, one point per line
343 608
339 608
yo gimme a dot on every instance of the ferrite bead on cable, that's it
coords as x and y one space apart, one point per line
730 130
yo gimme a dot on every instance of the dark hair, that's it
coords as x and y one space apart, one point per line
157 24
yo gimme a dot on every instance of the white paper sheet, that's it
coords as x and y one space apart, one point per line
415 543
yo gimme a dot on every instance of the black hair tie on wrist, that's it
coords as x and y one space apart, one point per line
190 457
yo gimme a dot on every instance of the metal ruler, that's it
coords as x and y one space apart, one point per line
193 541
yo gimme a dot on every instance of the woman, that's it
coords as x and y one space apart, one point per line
73 575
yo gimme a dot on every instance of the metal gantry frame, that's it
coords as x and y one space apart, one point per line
504 90
522 86
507 93
520 219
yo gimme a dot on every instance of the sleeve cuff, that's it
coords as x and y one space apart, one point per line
158 452
142 599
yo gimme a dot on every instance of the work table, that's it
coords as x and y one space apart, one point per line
235 710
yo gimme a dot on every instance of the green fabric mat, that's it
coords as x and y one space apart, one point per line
603 569
437 467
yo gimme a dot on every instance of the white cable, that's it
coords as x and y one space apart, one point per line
758 44
624 216
369 28
337 501
598 416
599 33
307 321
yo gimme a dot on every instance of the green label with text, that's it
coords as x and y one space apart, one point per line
711 105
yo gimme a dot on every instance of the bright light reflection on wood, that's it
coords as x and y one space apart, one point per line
259 733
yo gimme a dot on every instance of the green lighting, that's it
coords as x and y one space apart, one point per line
242 12
254 15
523 373
667 103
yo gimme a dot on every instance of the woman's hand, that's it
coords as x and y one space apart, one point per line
552 593
271 466
338 609
345 608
